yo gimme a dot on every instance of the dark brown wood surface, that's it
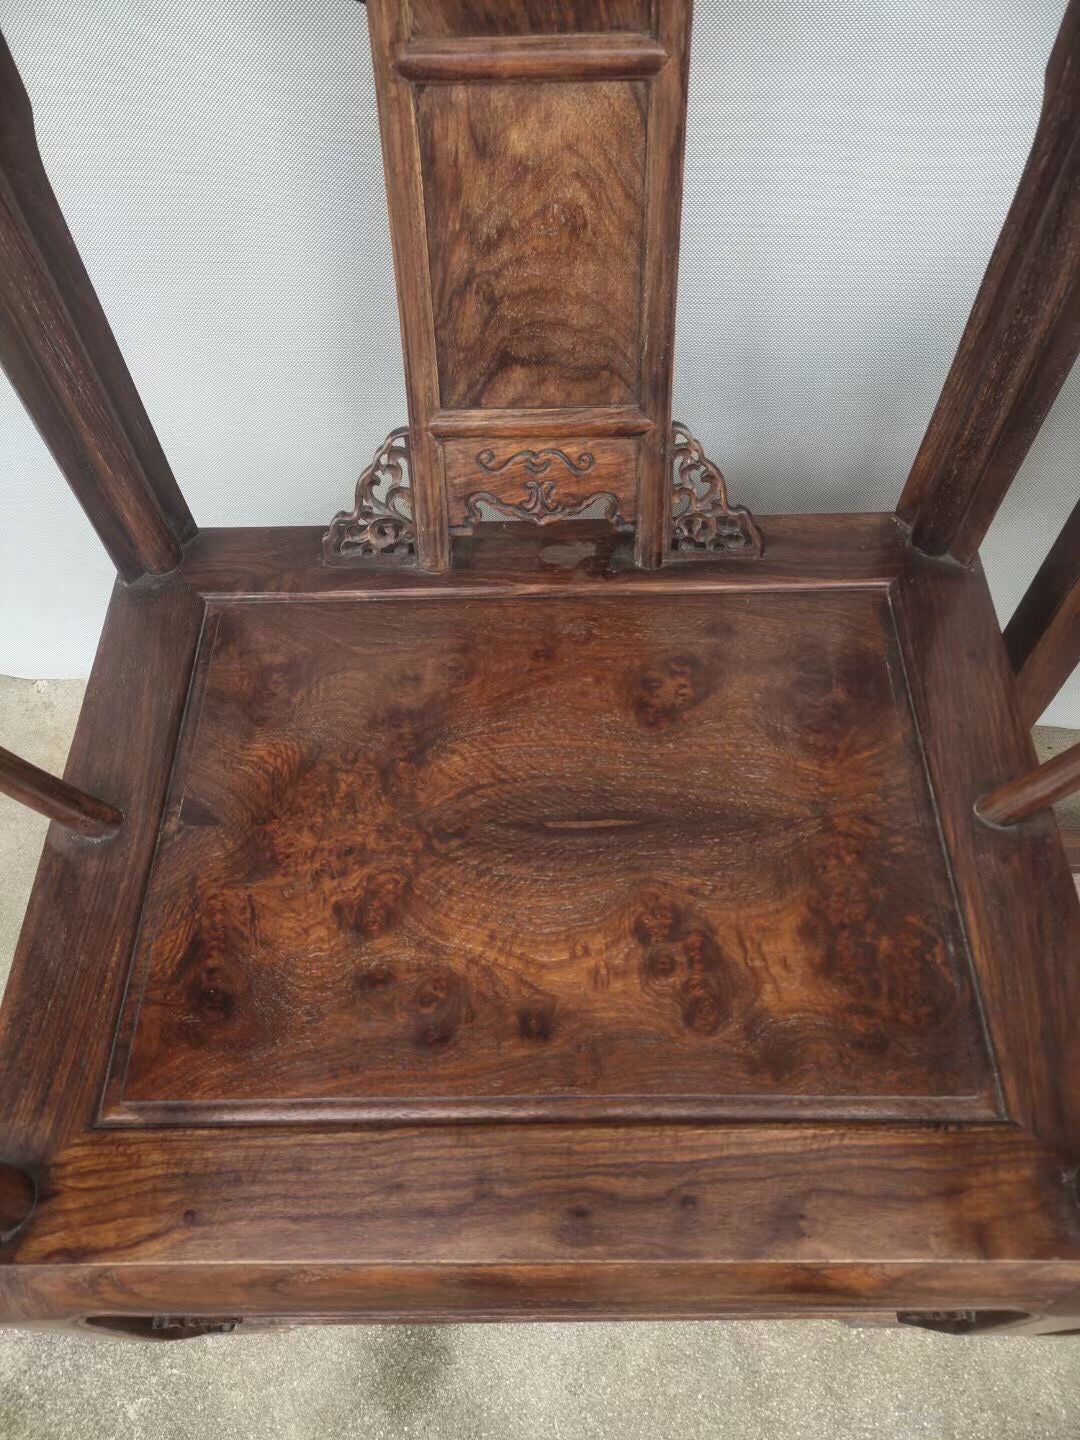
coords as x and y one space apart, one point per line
49 796
557 935
532 57
660 279
975 739
586 468
68 972
536 1221
17 1197
297 1215
527 17
1034 791
578 558
623 856
1021 339
60 355
408 233
537 299
534 178
1043 636
532 1195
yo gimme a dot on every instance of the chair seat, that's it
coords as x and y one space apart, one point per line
666 854
568 914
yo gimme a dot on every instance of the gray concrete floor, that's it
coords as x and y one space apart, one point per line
760 1381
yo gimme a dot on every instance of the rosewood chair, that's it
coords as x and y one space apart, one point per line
550 891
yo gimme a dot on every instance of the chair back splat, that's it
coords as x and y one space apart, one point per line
535 178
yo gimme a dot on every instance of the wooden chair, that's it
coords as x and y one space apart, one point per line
550 892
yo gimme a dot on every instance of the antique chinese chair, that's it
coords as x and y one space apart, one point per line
550 891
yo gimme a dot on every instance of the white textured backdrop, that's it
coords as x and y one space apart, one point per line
849 166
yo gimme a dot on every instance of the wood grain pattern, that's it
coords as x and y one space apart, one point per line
535 214
580 1291
532 57
1021 339
1043 636
60 355
73 808
527 17
67 976
559 935
534 199
497 915
1037 790
579 466
777 1199
590 421
804 550
443 1221
17 1197
975 739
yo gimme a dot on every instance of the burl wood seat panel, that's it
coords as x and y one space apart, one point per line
476 857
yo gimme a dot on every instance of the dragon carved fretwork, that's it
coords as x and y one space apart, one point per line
381 520
702 516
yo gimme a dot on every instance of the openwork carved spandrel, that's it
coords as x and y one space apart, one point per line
541 507
703 517
381 520
536 462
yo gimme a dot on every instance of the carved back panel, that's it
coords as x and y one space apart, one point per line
534 158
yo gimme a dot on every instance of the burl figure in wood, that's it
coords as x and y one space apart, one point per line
550 890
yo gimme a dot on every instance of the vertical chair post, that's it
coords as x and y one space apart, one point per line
1043 636
1021 338
62 359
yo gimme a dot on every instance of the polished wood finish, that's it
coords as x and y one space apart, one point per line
1043 636
534 164
579 558
432 18
533 57
408 232
17 1197
597 475
660 278
373 1177
31 786
60 355
83 915
565 280
590 421
975 739
1039 789
1021 340
559 933
499 918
